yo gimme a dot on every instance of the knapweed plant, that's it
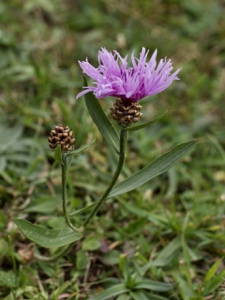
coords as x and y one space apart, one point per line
128 84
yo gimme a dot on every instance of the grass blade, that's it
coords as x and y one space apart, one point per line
111 292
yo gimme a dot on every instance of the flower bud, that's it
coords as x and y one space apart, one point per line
126 112
61 135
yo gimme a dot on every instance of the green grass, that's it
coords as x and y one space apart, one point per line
177 219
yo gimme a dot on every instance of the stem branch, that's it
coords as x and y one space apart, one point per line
122 155
64 193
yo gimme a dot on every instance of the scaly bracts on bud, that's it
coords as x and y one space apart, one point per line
61 135
126 112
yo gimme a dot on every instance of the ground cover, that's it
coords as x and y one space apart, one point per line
170 229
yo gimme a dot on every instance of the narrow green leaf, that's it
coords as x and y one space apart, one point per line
138 295
212 270
157 167
213 283
156 297
123 266
186 289
58 153
164 257
102 122
170 250
113 291
124 297
151 285
79 211
47 238
59 291
134 209
75 152
69 160
143 125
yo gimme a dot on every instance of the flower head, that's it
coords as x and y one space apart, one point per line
115 78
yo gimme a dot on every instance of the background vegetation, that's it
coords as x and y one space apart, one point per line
177 218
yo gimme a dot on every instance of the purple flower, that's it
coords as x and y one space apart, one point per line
115 78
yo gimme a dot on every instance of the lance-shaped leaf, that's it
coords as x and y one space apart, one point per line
111 292
143 125
138 295
47 238
157 167
76 151
79 211
102 122
154 285
58 153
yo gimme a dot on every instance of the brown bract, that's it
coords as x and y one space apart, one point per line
61 135
126 112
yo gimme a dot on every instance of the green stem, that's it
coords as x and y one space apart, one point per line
64 193
122 154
